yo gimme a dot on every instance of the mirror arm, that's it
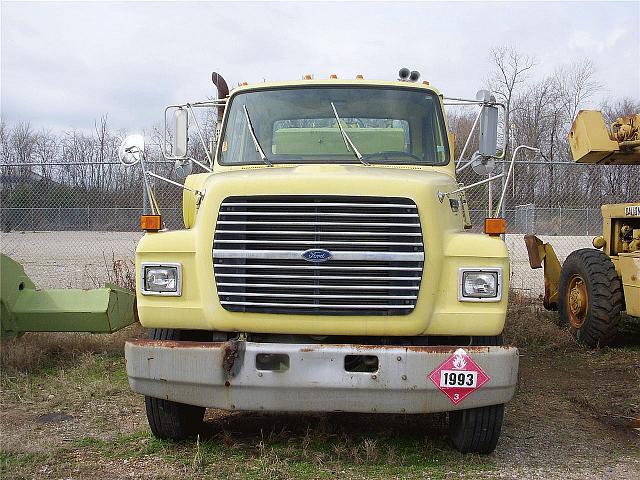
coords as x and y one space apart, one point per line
506 183
198 193
147 187
465 166
443 195
204 146
466 144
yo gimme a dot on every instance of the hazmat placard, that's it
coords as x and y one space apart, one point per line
458 376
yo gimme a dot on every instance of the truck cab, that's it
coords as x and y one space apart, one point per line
322 268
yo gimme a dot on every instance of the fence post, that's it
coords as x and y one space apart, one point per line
560 232
587 209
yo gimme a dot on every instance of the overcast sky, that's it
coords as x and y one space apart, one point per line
65 64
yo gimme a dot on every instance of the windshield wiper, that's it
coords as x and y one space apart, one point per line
259 150
347 141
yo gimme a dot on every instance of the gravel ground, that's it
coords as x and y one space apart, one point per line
67 258
83 259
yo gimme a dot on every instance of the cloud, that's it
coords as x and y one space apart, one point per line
65 64
586 41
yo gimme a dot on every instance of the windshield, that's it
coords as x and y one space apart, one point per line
298 125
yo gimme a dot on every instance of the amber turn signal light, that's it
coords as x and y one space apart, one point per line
495 226
150 223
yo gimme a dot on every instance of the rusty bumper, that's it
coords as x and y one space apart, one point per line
230 376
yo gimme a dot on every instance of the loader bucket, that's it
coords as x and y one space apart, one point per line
542 255
24 308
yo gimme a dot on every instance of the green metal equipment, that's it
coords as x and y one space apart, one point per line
25 308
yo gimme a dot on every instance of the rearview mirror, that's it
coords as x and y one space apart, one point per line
131 150
488 125
180 132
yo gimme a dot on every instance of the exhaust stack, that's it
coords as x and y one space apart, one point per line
223 90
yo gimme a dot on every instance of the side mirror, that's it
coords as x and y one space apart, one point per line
131 150
488 125
180 132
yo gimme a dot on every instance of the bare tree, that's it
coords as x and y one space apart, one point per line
510 70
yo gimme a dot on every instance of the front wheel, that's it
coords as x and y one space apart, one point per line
476 430
591 297
167 419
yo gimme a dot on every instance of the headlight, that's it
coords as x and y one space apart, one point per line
476 285
161 279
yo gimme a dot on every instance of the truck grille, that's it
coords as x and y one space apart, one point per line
376 260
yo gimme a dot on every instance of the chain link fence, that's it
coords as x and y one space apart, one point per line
67 226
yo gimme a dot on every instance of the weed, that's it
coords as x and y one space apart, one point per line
198 461
117 272
370 447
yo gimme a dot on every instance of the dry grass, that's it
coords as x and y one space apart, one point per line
529 326
32 352
117 271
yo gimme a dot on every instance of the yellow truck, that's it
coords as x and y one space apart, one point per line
325 264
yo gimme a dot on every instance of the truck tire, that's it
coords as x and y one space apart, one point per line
476 430
172 420
591 297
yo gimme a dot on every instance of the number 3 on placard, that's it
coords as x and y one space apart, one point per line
456 396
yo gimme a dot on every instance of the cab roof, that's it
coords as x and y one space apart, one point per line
332 82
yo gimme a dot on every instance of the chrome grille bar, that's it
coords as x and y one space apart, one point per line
313 305
320 224
317 267
311 232
318 277
319 287
315 242
310 295
297 255
323 205
318 214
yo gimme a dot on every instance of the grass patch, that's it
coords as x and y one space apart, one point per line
34 352
10 461
309 454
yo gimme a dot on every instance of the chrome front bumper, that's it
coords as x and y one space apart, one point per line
224 375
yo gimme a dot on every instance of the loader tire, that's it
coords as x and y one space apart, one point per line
476 430
172 420
591 298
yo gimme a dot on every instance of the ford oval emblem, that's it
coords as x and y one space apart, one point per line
316 255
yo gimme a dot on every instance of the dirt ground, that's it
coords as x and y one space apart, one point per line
67 412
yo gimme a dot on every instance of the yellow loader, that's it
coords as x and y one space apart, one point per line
594 286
